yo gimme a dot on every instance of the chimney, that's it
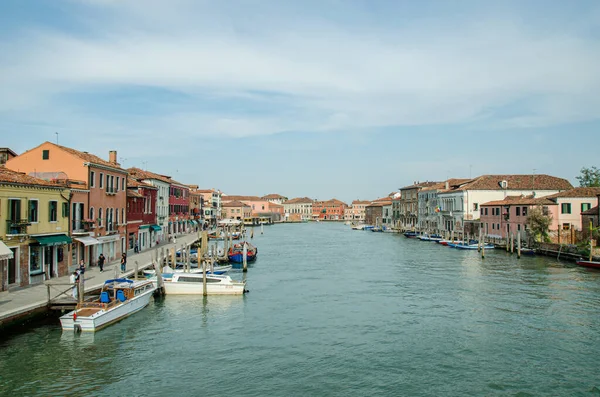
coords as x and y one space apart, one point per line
447 185
112 157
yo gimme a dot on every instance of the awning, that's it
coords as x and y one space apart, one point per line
194 222
56 239
87 240
5 252
156 228
108 239
144 226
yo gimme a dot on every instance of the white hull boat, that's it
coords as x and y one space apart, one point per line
192 284
119 298
168 269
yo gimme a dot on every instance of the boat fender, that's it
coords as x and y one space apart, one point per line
74 316
246 290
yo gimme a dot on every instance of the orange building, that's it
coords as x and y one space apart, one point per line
332 210
236 210
98 221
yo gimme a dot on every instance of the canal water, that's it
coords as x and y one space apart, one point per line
337 312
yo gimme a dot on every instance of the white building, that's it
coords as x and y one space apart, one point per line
459 203
298 209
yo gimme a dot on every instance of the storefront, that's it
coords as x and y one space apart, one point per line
85 246
108 245
6 257
46 257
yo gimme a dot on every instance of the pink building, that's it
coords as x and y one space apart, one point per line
501 218
571 204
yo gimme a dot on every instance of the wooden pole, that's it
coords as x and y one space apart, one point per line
245 257
188 260
135 275
173 259
252 233
262 229
518 245
591 242
483 251
479 244
512 243
572 234
558 234
204 290
80 289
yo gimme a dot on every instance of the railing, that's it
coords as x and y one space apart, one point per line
17 226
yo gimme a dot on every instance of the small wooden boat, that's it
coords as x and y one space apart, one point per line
585 263
236 253
118 299
411 234
430 237
473 246
181 283
527 251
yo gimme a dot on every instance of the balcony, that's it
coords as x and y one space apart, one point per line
82 226
17 227
111 191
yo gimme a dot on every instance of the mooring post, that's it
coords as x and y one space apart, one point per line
262 228
173 258
483 251
245 256
137 269
512 243
518 245
479 242
48 289
204 291
188 259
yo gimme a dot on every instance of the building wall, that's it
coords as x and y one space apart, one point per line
574 217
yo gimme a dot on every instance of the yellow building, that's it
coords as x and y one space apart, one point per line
34 228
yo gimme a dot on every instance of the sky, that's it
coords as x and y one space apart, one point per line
350 99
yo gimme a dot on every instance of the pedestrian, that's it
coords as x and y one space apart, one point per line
81 267
123 263
73 279
174 240
101 260
136 249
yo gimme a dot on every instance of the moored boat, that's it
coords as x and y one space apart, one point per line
236 253
585 263
118 299
180 283
168 269
430 237
411 234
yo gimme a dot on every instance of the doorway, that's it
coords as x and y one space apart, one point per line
49 261
13 268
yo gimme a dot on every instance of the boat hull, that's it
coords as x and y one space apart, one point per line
102 318
180 288
592 264
239 258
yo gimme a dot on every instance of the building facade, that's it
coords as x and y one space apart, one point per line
142 229
331 210
162 184
34 228
98 222
298 209
236 210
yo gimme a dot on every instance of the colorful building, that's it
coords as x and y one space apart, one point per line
332 210
211 207
34 228
179 207
572 203
275 198
162 184
98 222
236 210
142 228
356 211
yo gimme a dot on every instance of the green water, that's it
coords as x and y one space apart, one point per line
336 312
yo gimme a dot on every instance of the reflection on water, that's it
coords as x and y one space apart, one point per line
339 312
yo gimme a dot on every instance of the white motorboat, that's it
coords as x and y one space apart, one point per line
119 298
169 269
180 283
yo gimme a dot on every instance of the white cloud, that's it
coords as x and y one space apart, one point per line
326 76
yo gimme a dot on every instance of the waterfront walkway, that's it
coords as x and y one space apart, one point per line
15 304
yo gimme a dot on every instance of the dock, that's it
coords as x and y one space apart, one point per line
20 305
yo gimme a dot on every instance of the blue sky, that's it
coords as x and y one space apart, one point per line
330 98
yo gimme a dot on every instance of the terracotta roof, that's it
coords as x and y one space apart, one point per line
240 198
88 157
591 211
333 201
275 205
133 193
143 174
516 182
578 192
520 200
299 200
376 204
10 176
8 150
132 182
273 196
205 190
418 185
235 204
361 202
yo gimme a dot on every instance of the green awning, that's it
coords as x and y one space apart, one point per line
194 222
156 228
57 239
144 226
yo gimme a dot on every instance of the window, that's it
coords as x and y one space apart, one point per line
565 208
108 189
117 217
566 226
65 210
585 206
92 213
123 215
475 206
524 212
45 154
99 217
52 211
498 226
545 210
101 180
123 183
14 209
33 211
117 187
35 260
493 226
519 227
486 211
92 179
518 211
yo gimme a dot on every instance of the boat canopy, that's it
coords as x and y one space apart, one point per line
118 280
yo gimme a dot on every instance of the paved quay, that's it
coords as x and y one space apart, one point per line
22 302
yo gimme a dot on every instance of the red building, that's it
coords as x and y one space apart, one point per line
142 228
179 207
332 210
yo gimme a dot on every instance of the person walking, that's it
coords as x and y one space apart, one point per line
73 279
136 248
123 263
101 260
81 267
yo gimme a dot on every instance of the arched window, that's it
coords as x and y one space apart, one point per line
92 213
123 215
117 218
99 217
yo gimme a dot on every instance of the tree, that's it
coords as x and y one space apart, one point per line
539 224
589 177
